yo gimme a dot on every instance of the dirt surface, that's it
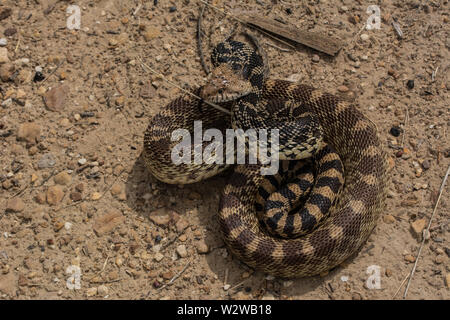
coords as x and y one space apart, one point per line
76 199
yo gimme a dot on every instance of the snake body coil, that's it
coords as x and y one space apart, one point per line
259 103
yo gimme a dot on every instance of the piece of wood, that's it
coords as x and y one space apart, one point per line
313 40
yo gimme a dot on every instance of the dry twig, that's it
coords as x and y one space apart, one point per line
441 190
199 40
175 277
184 90
406 125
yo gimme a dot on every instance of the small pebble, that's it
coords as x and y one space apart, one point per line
3 42
102 290
365 37
108 222
75 196
56 97
158 257
91 292
202 247
96 196
315 58
4 55
410 84
388 219
343 89
22 61
395 131
15 205
29 132
426 164
10 32
63 178
6 72
167 275
79 187
38 77
418 226
118 261
54 195
439 259
82 161
46 161
181 250
151 33
172 9
268 296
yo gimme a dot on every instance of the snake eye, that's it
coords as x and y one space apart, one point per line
220 91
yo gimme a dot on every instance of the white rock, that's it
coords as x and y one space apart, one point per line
3 42
82 161
22 61
296 77
365 37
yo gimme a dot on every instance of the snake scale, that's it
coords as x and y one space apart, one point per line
309 122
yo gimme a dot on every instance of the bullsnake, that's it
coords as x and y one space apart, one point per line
239 85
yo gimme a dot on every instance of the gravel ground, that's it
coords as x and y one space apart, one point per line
80 217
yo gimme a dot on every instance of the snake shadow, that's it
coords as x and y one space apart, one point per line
198 204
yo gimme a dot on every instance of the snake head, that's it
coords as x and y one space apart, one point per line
225 85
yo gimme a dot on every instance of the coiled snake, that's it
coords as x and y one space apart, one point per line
305 117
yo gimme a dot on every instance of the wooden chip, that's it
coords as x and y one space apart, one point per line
314 40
